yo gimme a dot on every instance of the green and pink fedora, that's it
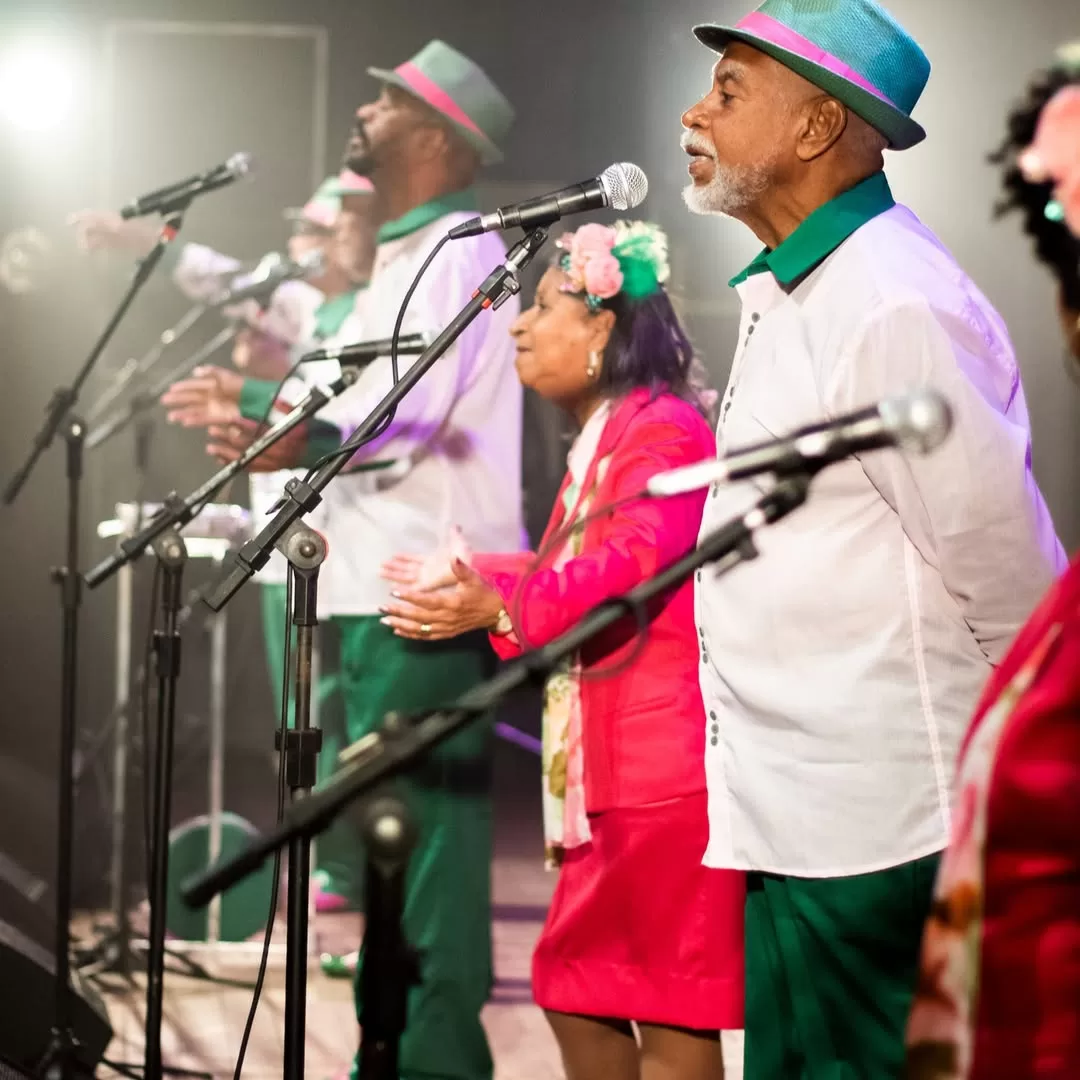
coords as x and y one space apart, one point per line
455 86
854 50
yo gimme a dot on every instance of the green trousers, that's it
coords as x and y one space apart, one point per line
831 965
337 858
448 884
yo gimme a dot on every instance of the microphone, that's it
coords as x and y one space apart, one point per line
916 422
165 200
620 187
272 271
363 352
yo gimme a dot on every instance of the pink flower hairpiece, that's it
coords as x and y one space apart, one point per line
1054 155
589 264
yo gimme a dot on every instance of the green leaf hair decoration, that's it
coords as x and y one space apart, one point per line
642 251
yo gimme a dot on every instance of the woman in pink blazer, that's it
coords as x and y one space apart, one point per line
638 931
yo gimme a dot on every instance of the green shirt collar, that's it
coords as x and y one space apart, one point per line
331 314
822 232
419 216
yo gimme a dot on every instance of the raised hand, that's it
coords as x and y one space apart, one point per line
211 395
106 230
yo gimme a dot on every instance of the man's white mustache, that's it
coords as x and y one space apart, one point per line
691 140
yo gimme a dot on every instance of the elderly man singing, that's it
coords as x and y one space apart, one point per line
838 670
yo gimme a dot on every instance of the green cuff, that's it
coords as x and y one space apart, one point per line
322 438
256 398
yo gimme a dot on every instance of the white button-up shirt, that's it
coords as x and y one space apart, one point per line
455 442
839 670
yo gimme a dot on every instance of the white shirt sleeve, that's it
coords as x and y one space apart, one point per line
423 413
201 271
971 508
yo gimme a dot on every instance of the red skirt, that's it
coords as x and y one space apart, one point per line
639 930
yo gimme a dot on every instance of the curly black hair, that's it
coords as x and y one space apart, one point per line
1054 244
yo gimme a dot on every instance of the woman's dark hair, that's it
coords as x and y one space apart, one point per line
1054 244
649 348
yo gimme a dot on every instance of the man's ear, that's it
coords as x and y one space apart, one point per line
824 121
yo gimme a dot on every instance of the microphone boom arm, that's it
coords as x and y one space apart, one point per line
301 496
177 512
393 748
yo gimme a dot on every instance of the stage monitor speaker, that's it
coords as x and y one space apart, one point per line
27 963
27 973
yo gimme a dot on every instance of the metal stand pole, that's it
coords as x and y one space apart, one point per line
172 554
218 639
305 550
121 734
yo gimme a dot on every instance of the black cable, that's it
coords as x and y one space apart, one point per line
283 727
348 452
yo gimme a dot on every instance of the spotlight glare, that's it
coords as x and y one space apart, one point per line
36 86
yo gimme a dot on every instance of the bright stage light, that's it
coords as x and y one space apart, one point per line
37 86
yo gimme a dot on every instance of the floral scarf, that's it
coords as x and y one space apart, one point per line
941 1027
566 824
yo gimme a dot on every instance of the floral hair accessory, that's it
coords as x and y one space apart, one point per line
1054 156
601 261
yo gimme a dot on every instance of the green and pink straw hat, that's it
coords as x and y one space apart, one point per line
854 50
458 89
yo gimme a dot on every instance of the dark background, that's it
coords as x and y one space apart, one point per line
167 88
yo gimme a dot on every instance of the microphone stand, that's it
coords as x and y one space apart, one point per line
61 1058
148 398
281 532
305 550
391 750
177 512
301 496
134 368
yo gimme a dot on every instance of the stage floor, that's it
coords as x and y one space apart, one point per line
204 1021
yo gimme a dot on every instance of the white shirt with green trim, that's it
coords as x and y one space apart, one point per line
455 442
840 669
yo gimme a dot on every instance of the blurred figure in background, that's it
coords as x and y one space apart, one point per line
999 985
299 316
452 454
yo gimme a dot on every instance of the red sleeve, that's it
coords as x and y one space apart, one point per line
639 539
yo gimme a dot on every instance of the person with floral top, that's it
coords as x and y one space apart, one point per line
638 930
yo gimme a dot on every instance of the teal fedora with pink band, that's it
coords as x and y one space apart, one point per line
456 87
853 49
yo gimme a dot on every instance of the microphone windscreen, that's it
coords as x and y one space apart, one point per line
625 185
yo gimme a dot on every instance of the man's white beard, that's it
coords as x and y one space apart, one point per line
731 189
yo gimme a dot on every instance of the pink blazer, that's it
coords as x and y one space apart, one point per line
644 724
